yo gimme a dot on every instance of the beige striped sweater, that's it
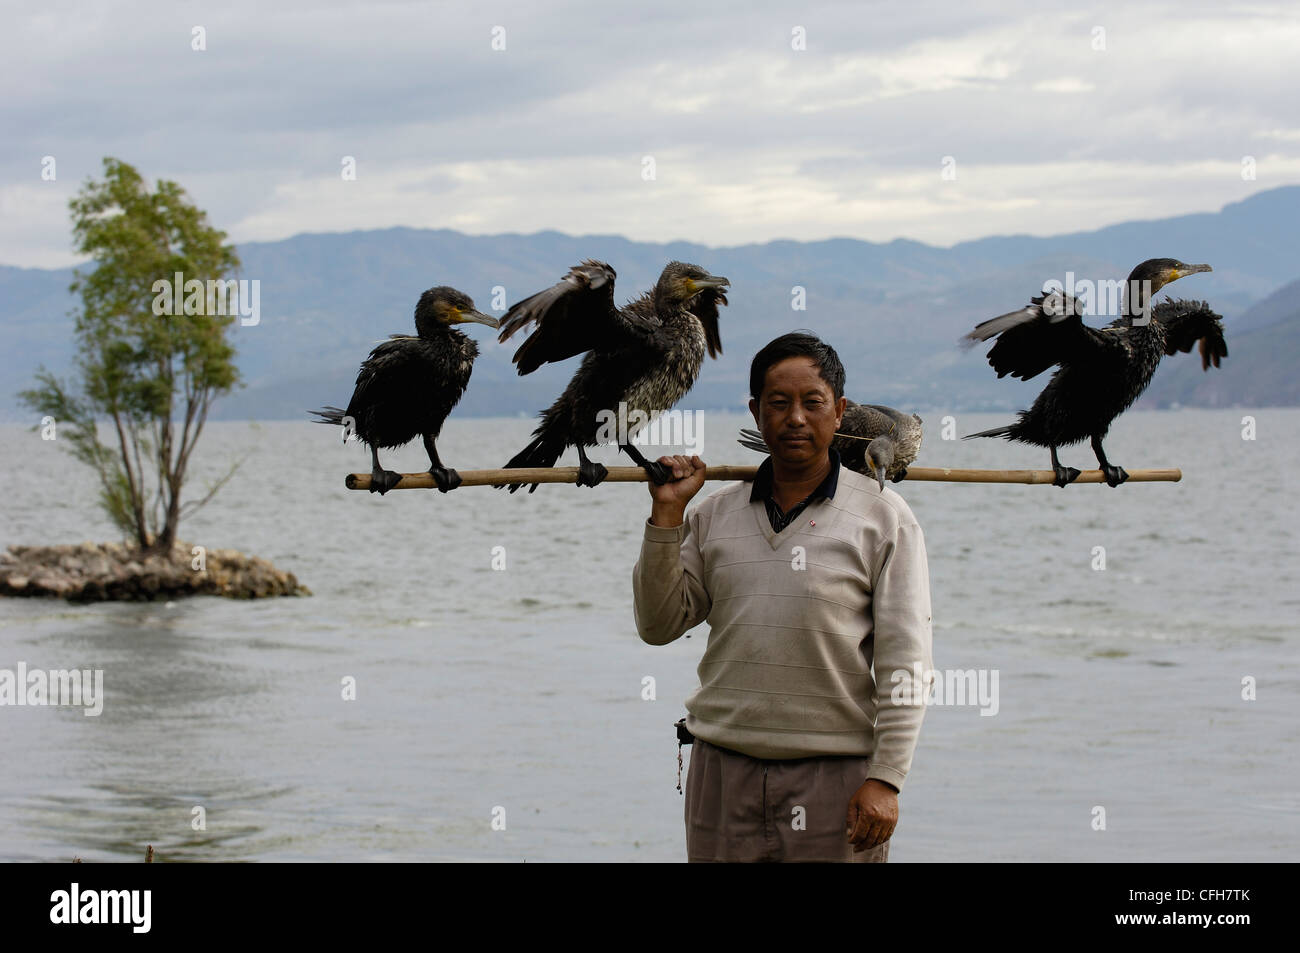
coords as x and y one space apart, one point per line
797 619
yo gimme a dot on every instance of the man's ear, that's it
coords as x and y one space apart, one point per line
753 409
841 405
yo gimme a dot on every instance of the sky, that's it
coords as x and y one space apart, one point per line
718 123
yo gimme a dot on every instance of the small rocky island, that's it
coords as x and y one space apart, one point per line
96 572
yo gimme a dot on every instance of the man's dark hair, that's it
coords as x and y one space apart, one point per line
797 344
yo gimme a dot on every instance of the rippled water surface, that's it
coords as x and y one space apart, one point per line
521 689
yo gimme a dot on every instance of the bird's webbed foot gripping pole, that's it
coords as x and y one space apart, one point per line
506 477
1063 475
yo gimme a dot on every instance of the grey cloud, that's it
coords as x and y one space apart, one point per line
283 92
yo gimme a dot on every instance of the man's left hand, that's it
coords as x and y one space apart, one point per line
873 814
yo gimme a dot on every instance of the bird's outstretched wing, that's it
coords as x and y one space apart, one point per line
575 315
1047 331
1191 324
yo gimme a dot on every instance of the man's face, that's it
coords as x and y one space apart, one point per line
797 413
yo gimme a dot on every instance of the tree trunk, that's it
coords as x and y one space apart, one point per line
136 490
166 538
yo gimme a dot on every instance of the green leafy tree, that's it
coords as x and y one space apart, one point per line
150 378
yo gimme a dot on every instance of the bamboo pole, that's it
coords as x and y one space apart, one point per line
424 481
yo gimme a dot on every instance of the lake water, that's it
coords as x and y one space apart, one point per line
518 693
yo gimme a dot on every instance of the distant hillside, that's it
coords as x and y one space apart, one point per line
1260 370
893 310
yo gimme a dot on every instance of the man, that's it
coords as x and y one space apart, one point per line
806 576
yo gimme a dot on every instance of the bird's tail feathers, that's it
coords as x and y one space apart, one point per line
753 440
995 432
333 416
543 451
329 415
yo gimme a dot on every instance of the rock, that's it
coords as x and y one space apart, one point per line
112 571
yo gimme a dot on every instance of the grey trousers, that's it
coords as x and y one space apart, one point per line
741 809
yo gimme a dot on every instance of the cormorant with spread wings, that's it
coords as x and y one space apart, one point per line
642 358
1102 371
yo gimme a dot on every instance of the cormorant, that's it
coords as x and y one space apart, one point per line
642 357
872 439
409 384
1102 370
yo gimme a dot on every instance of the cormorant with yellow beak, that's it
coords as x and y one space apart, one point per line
642 358
409 384
1101 371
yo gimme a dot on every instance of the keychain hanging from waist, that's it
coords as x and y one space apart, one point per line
684 737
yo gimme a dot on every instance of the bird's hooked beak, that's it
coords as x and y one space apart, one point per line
696 285
477 317
879 458
1182 271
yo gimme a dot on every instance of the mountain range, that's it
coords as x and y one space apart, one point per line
894 311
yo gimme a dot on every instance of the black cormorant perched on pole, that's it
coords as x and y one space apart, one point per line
1102 370
409 384
642 358
872 439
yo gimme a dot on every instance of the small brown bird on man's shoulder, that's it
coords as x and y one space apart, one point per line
874 440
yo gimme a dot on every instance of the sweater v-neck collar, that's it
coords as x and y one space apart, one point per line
761 491
774 538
